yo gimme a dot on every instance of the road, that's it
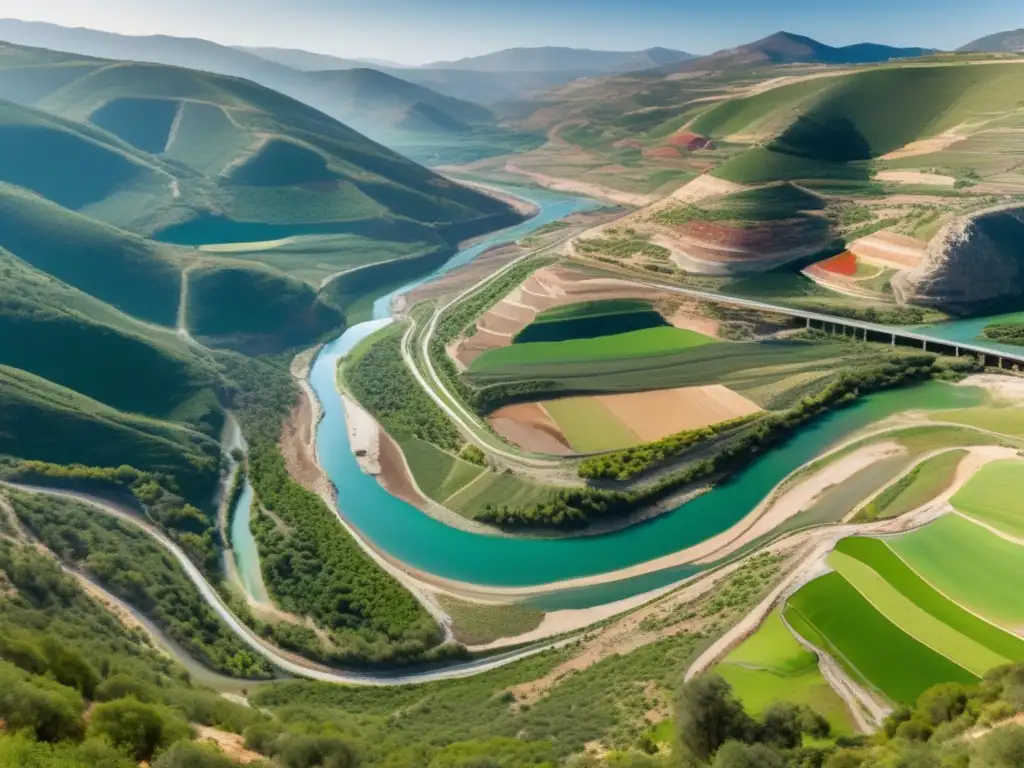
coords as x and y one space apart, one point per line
290 663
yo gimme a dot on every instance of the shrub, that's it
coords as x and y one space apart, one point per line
122 686
51 715
185 754
139 728
312 751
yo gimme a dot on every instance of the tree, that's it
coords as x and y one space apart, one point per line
942 703
1002 748
735 754
781 725
121 686
313 751
49 714
139 728
186 754
708 715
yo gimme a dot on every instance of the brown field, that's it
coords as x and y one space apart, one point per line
761 244
889 249
654 415
530 427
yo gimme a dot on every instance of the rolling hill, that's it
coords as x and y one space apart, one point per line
304 61
377 102
787 48
1001 42
227 151
555 59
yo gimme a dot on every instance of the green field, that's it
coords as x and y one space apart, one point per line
651 342
969 565
143 123
774 374
591 319
437 473
771 665
1002 420
877 555
589 426
833 616
995 495
902 611
773 202
924 482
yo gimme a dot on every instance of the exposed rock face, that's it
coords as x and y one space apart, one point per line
974 265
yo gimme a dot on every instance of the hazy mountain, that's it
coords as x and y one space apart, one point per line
787 48
378 109
305 61
1009 42
489 87
552 59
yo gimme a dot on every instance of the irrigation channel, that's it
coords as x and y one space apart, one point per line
419 541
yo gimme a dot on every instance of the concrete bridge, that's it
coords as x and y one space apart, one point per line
867 331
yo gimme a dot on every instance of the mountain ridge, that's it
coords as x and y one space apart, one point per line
1010 41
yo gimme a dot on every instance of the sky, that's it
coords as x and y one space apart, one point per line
420 31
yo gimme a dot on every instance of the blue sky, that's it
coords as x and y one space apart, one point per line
417 31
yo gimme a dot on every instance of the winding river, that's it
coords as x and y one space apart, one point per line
412 537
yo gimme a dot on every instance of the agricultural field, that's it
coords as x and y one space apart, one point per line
646 343
922 484
773 374
771 665
832 615
588 320
1003 420
995 496
969 565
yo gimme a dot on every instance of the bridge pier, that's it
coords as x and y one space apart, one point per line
893 340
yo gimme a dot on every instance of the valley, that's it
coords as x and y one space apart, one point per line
514 411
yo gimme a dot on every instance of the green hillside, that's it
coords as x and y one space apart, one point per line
135 275
167 148
42 421
831 127
242 302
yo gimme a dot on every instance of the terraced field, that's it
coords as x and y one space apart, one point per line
771 665
995 495
926 481
647 343
590 320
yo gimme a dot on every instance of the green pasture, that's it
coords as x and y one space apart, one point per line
995 495
876 555
650 342
969 565
437 473
902 611
590 320
922 484
831 614
589 426
1003 420
593 309
771 665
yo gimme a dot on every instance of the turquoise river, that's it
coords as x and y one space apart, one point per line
414 538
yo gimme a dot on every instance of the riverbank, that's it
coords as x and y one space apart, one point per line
521 205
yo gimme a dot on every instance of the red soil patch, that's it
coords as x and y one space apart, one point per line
690 141
661 152
530 427
844 264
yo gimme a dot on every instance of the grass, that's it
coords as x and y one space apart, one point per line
650 342
206 139
143 123
924 482
995 495
832 615
437 473
771 665
877 555
496 489
774 202
969 565
478 624
586 309
1003 421
589 426
922 625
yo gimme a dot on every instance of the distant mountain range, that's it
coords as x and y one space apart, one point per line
1008 42
551 59
375 103
787 48
308 61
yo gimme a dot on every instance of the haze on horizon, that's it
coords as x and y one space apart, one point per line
422 31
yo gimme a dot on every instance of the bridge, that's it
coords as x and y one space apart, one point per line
863 330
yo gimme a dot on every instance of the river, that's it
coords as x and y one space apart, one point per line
422 542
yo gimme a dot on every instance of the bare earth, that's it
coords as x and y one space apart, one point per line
660 413
916 177
705 186
582 187
524 207
925 146
889 249
298 440
231 744
529 426
363 435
